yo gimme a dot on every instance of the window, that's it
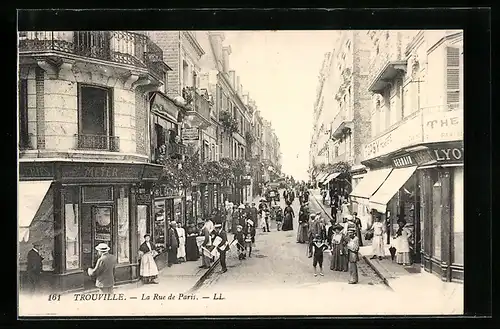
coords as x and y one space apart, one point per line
24 141
123 226
452 77
436 215
95 118
458 216
185 73
71 220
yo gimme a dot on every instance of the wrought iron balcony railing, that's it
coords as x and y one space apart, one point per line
171 150
115 46
198 103
98 142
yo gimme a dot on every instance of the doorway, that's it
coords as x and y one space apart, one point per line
97 227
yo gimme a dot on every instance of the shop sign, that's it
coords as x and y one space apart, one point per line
111 172
152 172
36 170
403 161
144 198
190 134
450 154
422 157
443 126
407 133
165 191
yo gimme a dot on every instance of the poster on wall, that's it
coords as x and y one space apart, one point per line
102 217
216 196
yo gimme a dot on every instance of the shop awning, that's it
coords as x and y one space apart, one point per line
30 196
391 186
320 177
370 183
330 177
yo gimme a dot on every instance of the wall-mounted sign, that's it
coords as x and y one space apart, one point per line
165 191
152 172
116 172
403 161
190 134
443 126
36 170
449 154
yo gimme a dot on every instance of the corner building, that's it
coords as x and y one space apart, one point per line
84 147
415 156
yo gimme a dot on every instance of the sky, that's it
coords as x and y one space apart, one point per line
279 70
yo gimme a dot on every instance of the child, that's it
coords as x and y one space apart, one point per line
318 248
239 236
249 237
279 218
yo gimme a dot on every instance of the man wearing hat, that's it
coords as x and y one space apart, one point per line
315 230
352 255
104 270
34 267
223 246
172 243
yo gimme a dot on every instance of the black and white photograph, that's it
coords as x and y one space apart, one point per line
240 172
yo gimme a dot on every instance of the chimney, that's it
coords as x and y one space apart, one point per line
226 51
241 90
216 39
238 90
245 98
232 79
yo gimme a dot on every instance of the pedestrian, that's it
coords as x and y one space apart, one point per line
181 251
378 230
318 248
323 194
253 212
207 243
172 243
288 215
353 257
34 268
345 209
312 232
229 216
302 232
148 269
266 220
402 237
104 270
359 226
192 250
240 244
279 218
331 193
249 236
338 244
223 246
235 219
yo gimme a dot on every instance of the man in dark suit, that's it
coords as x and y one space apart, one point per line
34 267
172 243
222 247
104 270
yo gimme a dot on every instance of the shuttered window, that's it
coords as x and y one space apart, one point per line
452 77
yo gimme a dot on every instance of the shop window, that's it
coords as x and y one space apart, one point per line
123 226
436 215
142 222
95 119
71 220
159 224
458 216
178 210
96 194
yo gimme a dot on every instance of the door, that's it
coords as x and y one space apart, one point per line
96 228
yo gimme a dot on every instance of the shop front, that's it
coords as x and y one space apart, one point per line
205 199
69 208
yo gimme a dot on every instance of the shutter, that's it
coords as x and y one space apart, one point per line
452 77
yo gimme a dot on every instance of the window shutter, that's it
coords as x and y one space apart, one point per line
452 77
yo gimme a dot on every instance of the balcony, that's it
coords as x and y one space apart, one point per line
171 150
198 107
98 142
120 47
388 72
341 124
434 124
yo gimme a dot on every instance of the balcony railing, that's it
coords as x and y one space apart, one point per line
171 150
115 46
340 121
196 102
98 142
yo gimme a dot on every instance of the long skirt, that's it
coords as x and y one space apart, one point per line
338 262
353 272
403 258
148 266
287 223
192 251
302 234
181 251
378 245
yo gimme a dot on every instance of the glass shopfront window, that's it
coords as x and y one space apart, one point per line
123 226
436 214
458 216
178 210
159 224
72 227
142 221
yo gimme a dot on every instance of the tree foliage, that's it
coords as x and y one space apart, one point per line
229 123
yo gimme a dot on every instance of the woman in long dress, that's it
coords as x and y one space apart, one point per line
345 209
192 250
303 225
378 229
338 261
288 215
148 269
181 251
402 244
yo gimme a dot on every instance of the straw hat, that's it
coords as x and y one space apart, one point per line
242 206
103 247
218 226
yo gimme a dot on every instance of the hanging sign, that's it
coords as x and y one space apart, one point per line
190 134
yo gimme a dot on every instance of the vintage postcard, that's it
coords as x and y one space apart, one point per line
196 172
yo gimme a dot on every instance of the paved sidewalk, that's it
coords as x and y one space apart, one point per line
448 296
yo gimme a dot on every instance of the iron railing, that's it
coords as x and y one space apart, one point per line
116 46
197 102
97 142
171 150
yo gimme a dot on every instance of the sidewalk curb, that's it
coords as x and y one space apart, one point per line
322 206
376 270
204 277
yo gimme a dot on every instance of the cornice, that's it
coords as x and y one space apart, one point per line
194 43
444 39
